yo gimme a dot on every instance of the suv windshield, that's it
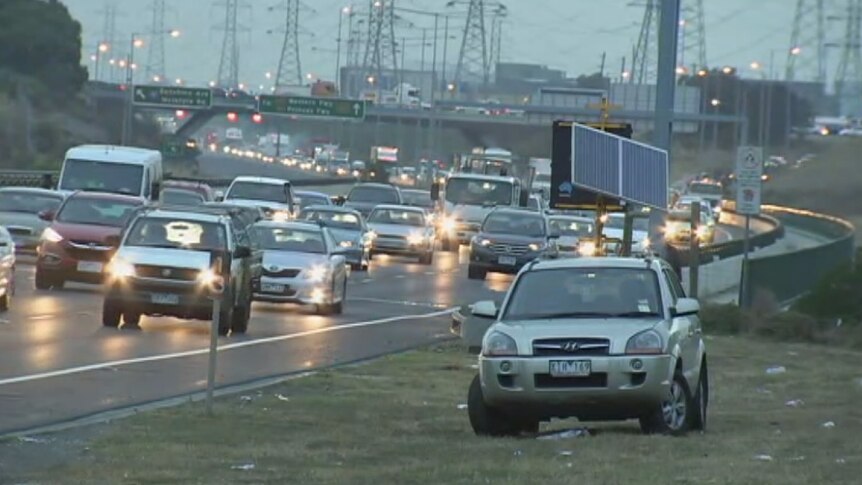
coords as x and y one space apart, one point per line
478 192
618 222
515 224
306 200
397 216
584 293
258 191
181 197
571 227
341 220
288 239
28 202
98 212
382 195
118 178
160 232
418 199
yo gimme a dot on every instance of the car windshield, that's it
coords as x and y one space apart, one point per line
381 195
98 212
418 199
341 220
397 216
515 224
276 238
118 178
28 202
704 188
180 197
543 178
584 293
478 192
306 200
258 191
162 232
569 227
618 222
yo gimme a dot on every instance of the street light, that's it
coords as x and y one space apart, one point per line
715 102
370 79
702 73
795 51
755 65
157 79
344 11
728 70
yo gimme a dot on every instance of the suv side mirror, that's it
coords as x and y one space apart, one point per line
685 307
242 252
484 309
46 215
219 196
435 191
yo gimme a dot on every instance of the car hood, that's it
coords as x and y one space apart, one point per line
24 220
568 241
509 238
395 229
363 207
263 204
291 259
468 213
85 232
175 258
618 330
345 234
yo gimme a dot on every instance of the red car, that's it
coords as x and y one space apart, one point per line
81 238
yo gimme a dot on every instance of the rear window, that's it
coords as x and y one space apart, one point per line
382 195
97 212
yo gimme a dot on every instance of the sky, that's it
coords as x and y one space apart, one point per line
570 35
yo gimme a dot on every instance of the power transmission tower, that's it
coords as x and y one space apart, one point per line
380 43
806 55
692 50
355 39
289 65
473 62
497 18
228 66
156 55
109 34
848 78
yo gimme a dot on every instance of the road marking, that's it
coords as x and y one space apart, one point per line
236 345
399 276
398 302
41 317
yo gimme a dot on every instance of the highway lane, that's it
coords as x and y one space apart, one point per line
59 332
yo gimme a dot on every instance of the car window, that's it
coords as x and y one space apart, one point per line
571 227
258 191
98 212
584 292
28 202
343 220
382 195
306 200
418 199
162 232
289 239
674 284
518 224
397 216
180 197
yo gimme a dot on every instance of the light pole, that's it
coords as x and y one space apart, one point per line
135 41
341 13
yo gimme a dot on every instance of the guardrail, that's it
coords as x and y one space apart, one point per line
787 276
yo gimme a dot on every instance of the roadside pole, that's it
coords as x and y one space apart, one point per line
600 227
211 367
694 252
628 227
743 285
749 173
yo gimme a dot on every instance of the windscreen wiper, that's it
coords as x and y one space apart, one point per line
634 314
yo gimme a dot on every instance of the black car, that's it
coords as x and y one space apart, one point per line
509 239
366 196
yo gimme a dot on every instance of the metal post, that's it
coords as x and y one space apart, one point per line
434 60
213 351
694 251
628 227
422 55
127 113
445 49
717 110
743 287
338 52
600 225
666 79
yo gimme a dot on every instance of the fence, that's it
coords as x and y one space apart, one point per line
789 275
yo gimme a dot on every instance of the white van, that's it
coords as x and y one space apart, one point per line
114 169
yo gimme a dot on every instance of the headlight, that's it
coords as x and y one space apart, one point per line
498 344
209 279
646 243
371 235
356 173
647 342
121 269
51 235
671 231
483 242
587 248
415 238
538 246
346 244
447 224
316 274
281 216
702 232
226 149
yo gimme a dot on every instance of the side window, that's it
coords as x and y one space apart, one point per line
675 286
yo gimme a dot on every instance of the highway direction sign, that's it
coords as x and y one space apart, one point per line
311 106
172 97
749 180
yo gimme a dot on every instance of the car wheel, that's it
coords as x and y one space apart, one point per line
672 415
225 318
110 313
338 308
241 316
475 273
426 259
355 266
486 420
131 319
43 282
700 403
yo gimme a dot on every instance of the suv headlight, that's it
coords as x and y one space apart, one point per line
498 344
587 248
51 235
120 268
415 238
447 224
316 274
346 244
538 246
646 342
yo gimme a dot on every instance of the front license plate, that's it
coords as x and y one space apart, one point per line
271 288
165 299
89 266
570 368
507 260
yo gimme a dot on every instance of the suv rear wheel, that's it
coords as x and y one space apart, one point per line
110 313
241 315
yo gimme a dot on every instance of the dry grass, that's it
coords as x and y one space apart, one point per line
397 421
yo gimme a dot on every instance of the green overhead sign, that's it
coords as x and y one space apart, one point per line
310 106
172 97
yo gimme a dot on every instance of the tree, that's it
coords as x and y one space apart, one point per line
41 40
593 81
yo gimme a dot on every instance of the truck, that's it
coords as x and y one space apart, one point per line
404 95
318 88
383 160
542 176
465 199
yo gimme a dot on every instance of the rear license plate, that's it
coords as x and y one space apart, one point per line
89 266
165 299
271 288
507 260
570 368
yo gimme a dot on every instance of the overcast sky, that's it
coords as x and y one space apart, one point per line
564 34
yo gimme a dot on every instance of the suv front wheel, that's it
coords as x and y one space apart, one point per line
490 421
673 415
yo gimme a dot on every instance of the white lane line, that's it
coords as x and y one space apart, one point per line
237 345
398 302
41 317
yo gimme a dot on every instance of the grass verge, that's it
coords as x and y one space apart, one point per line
397 420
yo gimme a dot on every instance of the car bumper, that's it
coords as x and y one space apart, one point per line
26 244
500 263
187 300
60 264
292 290
614 389
398 247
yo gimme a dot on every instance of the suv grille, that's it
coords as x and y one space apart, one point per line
595 380
89 251
281 273
166 272
512 249
567 347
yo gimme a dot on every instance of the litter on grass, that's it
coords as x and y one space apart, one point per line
775 370
462 406
763 457
794 403
244 467
566 434
282 397
828 424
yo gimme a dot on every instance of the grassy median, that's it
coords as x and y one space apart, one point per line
401 420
